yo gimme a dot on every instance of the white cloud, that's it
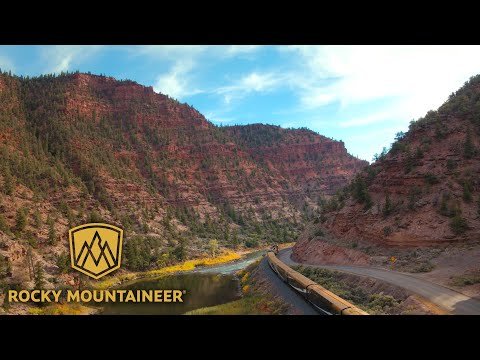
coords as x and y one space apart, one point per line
184 59
233 50
6 64
175 83
420 78
65 57
253 82
367 120
169 52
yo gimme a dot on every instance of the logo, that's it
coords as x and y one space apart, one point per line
96 249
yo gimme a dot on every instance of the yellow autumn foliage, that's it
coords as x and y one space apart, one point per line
61 309
188 265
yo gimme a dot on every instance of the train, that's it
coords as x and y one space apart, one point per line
326 302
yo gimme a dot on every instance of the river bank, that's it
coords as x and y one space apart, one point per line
226 262
256 297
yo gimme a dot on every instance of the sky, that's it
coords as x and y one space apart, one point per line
362 95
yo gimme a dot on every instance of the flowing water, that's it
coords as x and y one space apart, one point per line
205 287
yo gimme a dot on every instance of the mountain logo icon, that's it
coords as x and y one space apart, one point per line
96 249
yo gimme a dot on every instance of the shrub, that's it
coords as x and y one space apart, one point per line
458 225
431 179
251 242
382 302
63 263
413 197
5 267
445 208
319 232
467 191
3 224
387 230
451 164
423 268
95 217
21 219
468 147
388 208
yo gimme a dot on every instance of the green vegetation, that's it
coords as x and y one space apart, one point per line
8 182
469 278
21 220
388 207
413 196
468 147
38 276
423 267
467 190
458 224
63 263
360 192
319 233
375 303
387 230
431 179
52 235
451 164
5 268
213 247
256 299
3 224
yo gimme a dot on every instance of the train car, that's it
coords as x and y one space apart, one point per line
323 300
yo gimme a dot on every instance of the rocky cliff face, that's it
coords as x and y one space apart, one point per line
80 146
424 192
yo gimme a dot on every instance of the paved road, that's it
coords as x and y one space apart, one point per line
297 303
451 300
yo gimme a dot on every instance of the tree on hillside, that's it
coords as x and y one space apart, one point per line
38 276
63 263
235 241
8 181
387 210
468 147
52 235
21 220
5 267
213 247
37 219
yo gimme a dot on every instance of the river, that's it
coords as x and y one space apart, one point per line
205 287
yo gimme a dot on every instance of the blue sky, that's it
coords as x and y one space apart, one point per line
362 95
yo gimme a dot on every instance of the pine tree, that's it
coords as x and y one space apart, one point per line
21 220
468 148
29 260
52 234
37 219
387 210
235 241
38 276
5 267
8 182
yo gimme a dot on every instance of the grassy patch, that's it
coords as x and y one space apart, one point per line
466 279
256 300
423 267
248 305
61 309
